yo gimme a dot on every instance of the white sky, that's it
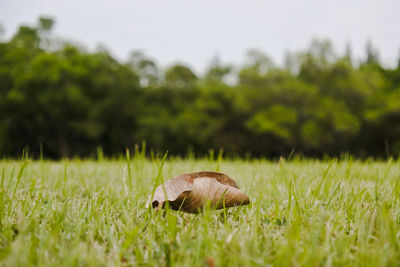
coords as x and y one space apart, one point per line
194 31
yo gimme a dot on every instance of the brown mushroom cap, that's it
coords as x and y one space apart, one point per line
190 192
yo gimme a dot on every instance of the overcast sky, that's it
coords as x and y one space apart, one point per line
194 31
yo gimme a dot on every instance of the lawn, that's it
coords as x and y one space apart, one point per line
302 213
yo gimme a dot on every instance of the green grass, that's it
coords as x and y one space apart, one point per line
303 212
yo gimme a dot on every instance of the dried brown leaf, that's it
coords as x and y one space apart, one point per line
191 192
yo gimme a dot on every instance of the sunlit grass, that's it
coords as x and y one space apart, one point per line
303 212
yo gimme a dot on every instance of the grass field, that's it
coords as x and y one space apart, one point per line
303 213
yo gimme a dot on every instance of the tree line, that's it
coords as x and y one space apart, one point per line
59 98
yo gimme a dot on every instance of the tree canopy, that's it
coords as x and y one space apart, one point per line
68 101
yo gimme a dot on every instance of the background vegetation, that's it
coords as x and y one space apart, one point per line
65 101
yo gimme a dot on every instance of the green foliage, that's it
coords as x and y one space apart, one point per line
179 77
46 23
68 101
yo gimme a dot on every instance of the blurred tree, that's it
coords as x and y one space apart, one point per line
292 63
146 68
348 54
217 72
257 64
372 55
2 31
71 101
26 37
316 62
46 23
180 77
66 100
